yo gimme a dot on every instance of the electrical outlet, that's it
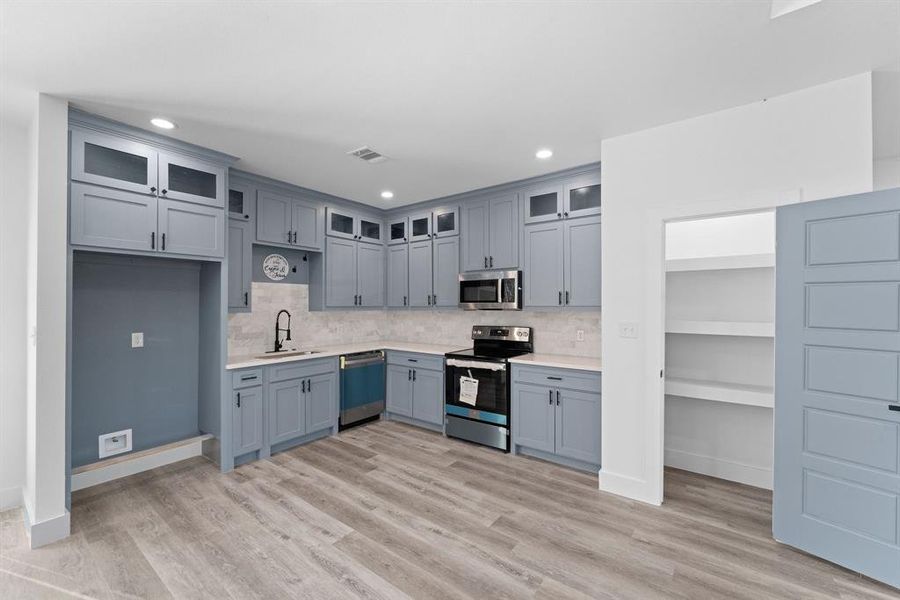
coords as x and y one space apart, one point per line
579 335
110 444
137 340
628 329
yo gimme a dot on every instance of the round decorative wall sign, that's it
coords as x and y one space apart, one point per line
275 266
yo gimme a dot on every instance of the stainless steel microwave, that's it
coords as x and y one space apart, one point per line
491 290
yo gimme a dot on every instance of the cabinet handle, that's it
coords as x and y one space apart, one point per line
295 237
360 299
309 385
303 386
557 397
566 214
248 377
554 378
153 189
165 191
246 298
409 374
428 299
567 296
163 241
551 397
485 262
246 216
895 407
404 300
153 240
238 399
434 299
492 261
414 374
558 215
289 236
560 298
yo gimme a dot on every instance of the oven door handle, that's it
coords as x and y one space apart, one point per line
471 364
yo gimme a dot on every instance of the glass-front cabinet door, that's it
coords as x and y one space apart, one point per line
446 222
240 197
420 227
340 223
582 197
190 180
398 231
113 162
371 230
543 204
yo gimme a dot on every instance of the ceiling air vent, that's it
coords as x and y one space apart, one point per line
367 154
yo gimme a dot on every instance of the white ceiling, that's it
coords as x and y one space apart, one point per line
458 94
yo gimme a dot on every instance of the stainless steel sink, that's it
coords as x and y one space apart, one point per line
288 353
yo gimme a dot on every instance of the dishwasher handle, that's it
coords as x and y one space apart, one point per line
361 360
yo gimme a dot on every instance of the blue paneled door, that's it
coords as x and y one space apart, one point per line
837 382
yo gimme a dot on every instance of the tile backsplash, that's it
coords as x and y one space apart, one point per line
252 333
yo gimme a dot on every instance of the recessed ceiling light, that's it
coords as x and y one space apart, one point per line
163 123
387 194
544 153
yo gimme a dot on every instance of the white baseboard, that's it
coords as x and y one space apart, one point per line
131 464
47 531
10 497
629 487
760 477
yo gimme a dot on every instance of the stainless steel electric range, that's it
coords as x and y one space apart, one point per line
477 384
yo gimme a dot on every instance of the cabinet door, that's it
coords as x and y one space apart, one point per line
420 274
109 218
341 223
191 180
446 272
503 232
543 265
420 227
398 399
370 274
287 410
428 396
240 265
474 236
398 231
445 222
191 229
398 276
578 426
240 201
113 162
371 230
306 222
246 421
340 272
543 204
321 398
273 218
582 197
533 413
582 259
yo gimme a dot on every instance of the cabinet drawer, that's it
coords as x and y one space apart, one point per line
560 378
421 361
296 370
246 378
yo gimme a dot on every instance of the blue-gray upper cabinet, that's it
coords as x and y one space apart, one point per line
190 180
287 221
399 392
240 201
191 229
420 274
109 218
371 230
247 420
445 268
398 276
398 231
543 203
420 227
490 231
544 259
369 275
321 394
582 197
341 223
340 272
582 260
113 162
240 264
445 222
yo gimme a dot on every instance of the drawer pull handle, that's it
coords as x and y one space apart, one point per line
248 377
895 407
554 378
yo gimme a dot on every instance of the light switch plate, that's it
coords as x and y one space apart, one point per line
628 329
137 340
579 335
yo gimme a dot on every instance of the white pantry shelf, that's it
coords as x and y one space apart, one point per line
718 263
732 393
735 328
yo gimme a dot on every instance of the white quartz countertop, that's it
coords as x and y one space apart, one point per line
243 362
561 361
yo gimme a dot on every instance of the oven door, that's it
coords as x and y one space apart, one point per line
495 290
491 402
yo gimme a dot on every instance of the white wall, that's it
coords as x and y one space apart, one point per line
814 143
886 124
13 240
45 427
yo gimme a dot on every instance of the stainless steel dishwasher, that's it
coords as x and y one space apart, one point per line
362 387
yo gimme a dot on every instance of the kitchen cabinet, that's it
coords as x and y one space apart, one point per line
247 420
112 161
321 391
420 274
240 264
240 201
369 275
287 221
445 272
577 197
398 397
186 228
420 227
428 396
371 230
191 180
445 222
543 203
302 406
351 226
354 273
490 233
398 276
557 413
562 263
415 388
582 197
398 231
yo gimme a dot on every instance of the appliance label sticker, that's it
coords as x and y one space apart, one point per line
468 389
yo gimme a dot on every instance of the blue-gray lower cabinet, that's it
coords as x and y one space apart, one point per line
556 415
287 410
415 388
240 264
398 396
247 420
321 391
